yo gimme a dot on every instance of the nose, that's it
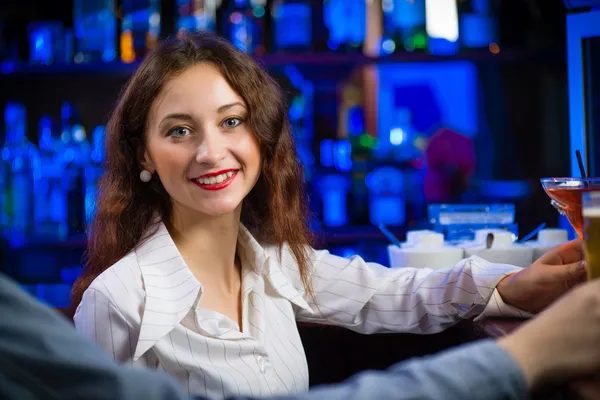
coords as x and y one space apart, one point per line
212 149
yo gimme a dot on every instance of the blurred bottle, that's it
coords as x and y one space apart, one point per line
387 202
478 25
403 26
95 24
50 204
334 189
76 157
18 159
442 27
243 23
345 21
292 24
299 93
197 15
50 43
140 28
93 172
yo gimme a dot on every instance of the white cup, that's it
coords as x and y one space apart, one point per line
426 250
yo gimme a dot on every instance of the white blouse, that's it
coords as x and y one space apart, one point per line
144 311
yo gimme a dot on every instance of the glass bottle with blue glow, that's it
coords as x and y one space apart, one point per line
50 202
244 25
334 190
93 172
95 26
18 159
76 157
140 28
292 24
403 26
194 15
346 22
387 202
301 113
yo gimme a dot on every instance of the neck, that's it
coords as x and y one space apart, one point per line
208 244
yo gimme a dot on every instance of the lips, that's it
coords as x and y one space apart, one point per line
215 181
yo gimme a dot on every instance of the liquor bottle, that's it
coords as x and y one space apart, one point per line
478 25
292 24
75 158
404 26
197 15
49 195
300 113
140 28
95 26
387 202
93 172
442 27
18 159
243 23
346 24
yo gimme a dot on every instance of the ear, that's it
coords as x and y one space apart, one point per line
144 160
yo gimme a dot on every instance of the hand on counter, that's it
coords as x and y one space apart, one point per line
534 288
561 343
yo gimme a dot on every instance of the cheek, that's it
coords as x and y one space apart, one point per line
171 160
250 151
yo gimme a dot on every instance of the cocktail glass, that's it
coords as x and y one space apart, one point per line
565 195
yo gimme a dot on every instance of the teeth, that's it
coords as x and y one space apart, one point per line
215 179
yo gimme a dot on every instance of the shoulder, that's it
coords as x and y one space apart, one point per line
286 261
120 288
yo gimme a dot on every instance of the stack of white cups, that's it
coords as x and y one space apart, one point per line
424 249
503 249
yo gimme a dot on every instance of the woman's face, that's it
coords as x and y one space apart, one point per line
200 145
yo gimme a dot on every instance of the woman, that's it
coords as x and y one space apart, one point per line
199 259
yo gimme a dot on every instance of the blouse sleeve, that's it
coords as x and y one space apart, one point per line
370 298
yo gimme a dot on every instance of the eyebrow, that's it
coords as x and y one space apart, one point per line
178 116
230 105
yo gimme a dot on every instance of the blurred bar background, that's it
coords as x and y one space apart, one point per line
402 110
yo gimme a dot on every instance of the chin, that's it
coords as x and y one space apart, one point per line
218 210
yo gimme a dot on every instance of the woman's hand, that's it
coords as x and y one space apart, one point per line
562 342
552 275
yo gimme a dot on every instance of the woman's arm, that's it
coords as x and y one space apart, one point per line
369 298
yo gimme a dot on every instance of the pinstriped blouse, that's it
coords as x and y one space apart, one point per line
144 311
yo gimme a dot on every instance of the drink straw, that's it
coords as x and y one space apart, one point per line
580 163
389 235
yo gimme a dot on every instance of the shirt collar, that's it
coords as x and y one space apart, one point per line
172 290
267 262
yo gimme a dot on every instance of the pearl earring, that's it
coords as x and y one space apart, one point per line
145 176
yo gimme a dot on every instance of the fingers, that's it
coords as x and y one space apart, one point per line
566 253
575 273
572 274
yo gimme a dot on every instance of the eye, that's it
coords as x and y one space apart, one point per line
232 122
179 131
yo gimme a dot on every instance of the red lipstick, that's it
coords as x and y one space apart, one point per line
215 186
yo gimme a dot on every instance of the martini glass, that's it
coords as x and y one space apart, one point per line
565 195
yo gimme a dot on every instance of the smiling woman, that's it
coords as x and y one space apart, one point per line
200 145
199 258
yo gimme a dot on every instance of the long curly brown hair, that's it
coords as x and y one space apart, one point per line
274 211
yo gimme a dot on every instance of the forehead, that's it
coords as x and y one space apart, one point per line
199 89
